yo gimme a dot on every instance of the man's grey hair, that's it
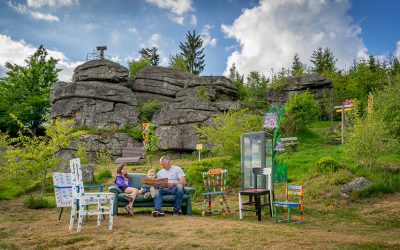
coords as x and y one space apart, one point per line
165 158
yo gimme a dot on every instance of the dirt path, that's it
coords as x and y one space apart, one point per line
22 228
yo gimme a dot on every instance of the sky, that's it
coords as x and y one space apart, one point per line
255 35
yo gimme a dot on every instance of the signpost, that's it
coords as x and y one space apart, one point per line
347 106
199 147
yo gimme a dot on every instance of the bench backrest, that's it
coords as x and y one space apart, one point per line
136 179
132 152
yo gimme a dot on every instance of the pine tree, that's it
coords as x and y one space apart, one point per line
324 61
238 80
151 55
193 53
297 66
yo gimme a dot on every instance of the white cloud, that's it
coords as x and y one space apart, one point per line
178 7
132 30
51 3
193 20
272 32
397 52
23 9
154 39
177 19
43 16
207 39
20 8
17 51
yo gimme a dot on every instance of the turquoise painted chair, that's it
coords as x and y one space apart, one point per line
291 191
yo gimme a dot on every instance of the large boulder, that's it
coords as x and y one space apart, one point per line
94 104
175 122
101 70
319 86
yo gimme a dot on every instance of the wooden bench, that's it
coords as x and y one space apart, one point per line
131 154
292 141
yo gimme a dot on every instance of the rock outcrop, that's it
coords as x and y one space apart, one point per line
319 86
102 96
96 100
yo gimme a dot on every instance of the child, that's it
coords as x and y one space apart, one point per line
123 182
147 190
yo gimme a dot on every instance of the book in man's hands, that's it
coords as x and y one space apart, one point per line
158 183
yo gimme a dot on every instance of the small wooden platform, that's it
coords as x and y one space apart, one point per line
131 154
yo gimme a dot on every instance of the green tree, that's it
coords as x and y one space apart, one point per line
33 157
323 60
178 62
298 68
257 84
137 65
224 133
193 52
300 110
151 55
238 80
25 92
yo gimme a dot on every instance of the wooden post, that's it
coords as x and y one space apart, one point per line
342 124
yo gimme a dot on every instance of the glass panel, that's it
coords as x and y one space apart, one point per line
252 158
268 152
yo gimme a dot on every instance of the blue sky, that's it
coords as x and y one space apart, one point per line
255 35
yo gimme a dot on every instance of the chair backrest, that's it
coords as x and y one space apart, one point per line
78 191
62 183
297 191
214 180
270 178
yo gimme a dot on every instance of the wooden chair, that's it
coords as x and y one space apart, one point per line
215 184
80 198
291 191
257 192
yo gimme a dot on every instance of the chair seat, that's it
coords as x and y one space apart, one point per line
254 191
287 204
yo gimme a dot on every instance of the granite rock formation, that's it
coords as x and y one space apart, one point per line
319 86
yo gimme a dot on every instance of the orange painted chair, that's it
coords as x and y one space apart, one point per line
214 181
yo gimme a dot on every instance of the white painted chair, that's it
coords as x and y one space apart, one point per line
81 198
62 184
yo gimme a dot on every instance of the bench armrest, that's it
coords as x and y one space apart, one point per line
114 189
189 190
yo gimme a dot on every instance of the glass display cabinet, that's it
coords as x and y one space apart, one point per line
257 152
257 172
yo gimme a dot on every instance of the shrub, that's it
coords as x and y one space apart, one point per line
81 152
224 133
202 93
325 165
36 202
302 109
103 158
365 141
147 109
195 178
102 176
137 134
136 66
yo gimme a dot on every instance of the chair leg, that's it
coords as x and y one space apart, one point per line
275 215
80 218
258 207
61 210
110 224
99 214
87 216
72 217
288 215
240 207
204 206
